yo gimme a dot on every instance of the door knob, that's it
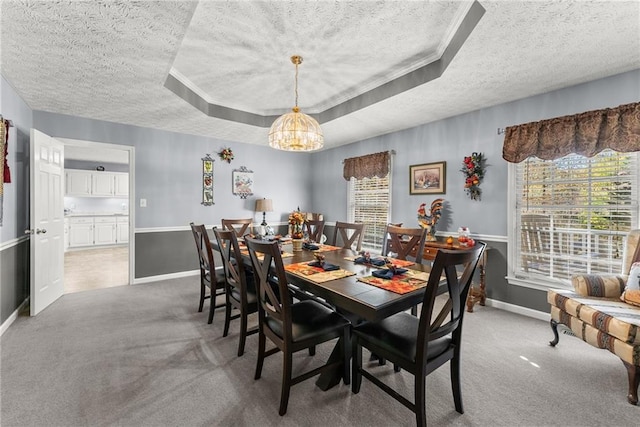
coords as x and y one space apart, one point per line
39 231
28 231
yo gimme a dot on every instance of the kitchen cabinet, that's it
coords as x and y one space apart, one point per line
122 229
80 232
78 183
104 230
86 183
97 230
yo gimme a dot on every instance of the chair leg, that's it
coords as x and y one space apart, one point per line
243 332
212 307
396 368
286 382
227 319
455 382
202 290
261 346
554 329
420 400
356 364
312 350
414 310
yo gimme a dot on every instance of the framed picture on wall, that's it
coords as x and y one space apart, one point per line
428 178
242 181
207 181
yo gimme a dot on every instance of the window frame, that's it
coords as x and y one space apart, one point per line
513 230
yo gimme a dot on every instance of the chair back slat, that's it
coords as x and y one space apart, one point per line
314 228
269 269
231 259
407 243
345 234
449 320
238 226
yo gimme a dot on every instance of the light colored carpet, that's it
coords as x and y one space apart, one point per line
142 355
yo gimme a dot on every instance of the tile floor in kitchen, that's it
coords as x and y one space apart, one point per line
96 268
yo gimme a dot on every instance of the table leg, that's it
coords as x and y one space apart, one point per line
332 377
478 294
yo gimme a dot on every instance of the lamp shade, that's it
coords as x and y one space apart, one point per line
296 131
264 205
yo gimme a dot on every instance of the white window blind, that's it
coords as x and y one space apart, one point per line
572 215
369 203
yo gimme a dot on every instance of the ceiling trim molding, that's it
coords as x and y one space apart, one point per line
186 90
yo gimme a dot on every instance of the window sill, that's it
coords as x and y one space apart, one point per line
539 284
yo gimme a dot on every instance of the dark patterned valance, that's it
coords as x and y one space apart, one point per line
586 134
367 166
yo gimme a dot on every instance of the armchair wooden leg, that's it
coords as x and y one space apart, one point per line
261 347
633 373
286 382
312 350
554 328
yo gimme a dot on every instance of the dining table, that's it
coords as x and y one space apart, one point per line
348 292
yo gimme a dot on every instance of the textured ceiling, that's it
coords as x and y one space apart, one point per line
110 60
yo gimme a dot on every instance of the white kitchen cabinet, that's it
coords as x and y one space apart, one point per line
121 184
102 184
122 229
80 232
78 183
86 183
104 230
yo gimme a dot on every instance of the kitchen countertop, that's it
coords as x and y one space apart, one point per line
77 214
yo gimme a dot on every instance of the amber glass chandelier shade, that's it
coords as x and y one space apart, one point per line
295 131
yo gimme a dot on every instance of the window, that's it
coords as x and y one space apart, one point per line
571 216
370 203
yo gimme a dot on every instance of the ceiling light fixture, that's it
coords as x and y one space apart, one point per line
296 131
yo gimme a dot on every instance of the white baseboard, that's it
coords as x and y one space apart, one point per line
179 275
13 317
540 315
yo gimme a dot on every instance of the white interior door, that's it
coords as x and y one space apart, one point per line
47 220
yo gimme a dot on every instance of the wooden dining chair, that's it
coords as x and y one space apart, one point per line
314 228
406 243
240 287
422 344
239 226
210 277
345 234
291 326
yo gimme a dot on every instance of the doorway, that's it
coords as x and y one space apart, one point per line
99 219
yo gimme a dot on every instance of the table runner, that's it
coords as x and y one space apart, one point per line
316 274
401 283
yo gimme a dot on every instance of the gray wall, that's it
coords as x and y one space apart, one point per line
14 258
450 140
168 175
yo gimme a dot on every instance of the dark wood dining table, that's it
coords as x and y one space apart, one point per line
357 300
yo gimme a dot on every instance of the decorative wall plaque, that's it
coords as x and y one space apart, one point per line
207 180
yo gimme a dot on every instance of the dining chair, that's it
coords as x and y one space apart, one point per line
345 234
291 326
210 277
422 344
240 287
315 228
239 226
405 243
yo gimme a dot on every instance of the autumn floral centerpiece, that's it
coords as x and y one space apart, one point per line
226 155
296 220
473 167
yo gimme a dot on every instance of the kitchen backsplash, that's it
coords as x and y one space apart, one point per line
95 204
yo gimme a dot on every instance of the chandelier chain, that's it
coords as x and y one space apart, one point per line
296 86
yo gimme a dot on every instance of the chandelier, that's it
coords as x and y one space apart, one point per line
296 131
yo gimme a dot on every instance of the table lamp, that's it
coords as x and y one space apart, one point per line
264 206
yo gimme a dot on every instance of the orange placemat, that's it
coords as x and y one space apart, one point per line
401 283
323 248
394 261
316 274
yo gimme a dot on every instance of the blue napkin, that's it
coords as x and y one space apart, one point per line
374 261
325 266
310 246
387 274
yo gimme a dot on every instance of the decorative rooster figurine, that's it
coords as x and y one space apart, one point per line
429 221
